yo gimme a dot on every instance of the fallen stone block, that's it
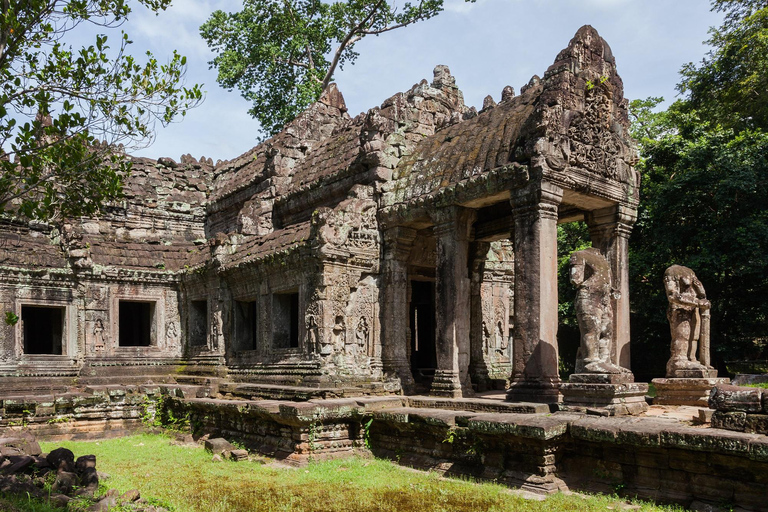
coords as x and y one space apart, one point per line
219 445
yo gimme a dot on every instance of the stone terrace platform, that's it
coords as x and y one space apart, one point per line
661 455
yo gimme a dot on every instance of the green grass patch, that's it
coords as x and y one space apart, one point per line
185 478
762 385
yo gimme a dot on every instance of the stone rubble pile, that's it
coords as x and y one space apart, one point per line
58 477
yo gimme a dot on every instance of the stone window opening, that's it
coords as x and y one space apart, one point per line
136 325
285 320
198 323
246 326
42 328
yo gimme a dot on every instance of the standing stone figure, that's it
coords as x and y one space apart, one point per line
99 336
591 274
688 315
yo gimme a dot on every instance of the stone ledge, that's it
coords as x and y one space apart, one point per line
523 425
685 391
478 405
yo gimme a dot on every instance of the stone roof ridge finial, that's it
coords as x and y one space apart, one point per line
488 103
508 93
442 77
586 50
332 97
533 82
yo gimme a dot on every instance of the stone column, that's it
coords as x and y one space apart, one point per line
452 303
535 362
394 305
478 367
609 229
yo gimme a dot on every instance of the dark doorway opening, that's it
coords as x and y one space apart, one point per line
42 329
245 325
285 320
423 352
135 323
198 323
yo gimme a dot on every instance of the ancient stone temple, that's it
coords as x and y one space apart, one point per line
412 247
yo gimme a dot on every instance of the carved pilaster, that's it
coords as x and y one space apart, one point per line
398 242
535 357
452 302
478 367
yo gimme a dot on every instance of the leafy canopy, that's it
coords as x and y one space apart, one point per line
65 110
729 86
705 166
282 54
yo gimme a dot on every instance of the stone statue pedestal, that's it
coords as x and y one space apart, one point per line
607 394
692 391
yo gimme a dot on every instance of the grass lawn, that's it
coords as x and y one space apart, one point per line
185 478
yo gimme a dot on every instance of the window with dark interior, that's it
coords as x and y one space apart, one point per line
198 323
285 320
42 328
135 323
245 325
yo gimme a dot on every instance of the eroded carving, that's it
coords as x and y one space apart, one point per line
591 274
688 315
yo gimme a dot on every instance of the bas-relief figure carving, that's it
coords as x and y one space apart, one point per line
688 315
361 335
172 332
591 274
312 337
99 336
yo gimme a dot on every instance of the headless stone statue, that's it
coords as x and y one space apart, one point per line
688 315
591 274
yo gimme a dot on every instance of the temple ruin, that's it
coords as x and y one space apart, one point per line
412 247
350 283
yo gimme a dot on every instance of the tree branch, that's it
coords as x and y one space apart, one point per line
350 39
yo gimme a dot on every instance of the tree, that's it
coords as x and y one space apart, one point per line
705 180
282 54
729 86
65 111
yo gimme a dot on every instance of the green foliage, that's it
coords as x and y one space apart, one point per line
647 125
728 87
705 180
11 318
158 412
281 54
64 111
367 432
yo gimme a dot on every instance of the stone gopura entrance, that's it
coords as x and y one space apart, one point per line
559 152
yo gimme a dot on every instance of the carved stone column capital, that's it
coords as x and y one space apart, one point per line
542 201
615 220
398 241
453 219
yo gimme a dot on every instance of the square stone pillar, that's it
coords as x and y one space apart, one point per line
535 375
609 229
398 242
478 367
452 302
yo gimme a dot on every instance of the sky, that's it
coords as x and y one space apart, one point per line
487 45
